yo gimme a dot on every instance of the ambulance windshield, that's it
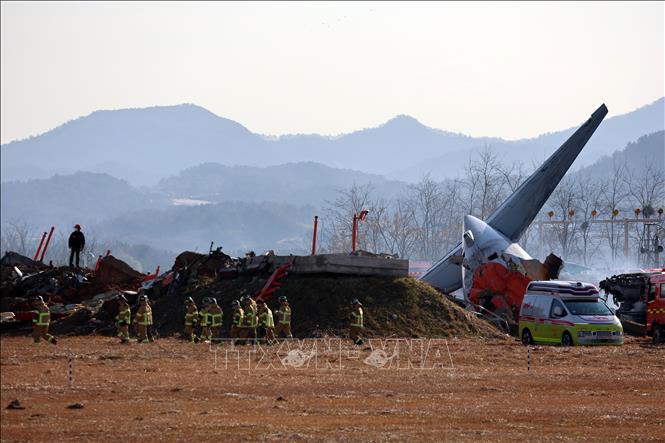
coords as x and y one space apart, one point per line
587 307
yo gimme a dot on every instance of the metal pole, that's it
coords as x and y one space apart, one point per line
316 221
48 239
40 246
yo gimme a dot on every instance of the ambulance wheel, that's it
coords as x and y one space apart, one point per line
566 339
658 334
527 339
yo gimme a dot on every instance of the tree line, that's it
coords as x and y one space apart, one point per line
426 221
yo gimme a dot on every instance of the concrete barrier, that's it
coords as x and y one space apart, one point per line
336 264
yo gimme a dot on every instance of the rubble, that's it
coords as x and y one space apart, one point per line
85 301
76 297
15 259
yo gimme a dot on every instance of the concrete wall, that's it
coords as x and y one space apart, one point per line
337 264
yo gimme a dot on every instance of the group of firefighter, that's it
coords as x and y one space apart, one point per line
251 321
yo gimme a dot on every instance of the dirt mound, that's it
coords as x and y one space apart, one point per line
400 307
113 272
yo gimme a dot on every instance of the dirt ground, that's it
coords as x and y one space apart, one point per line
329 390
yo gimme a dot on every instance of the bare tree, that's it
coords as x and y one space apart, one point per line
485 182
588 201
646 189
16 237
399 231
612 195
564 198
339 216
428 204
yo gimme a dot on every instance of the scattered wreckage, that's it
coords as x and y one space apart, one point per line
84 301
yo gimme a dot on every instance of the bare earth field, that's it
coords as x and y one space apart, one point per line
451 390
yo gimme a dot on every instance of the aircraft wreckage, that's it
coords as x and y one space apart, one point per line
489 264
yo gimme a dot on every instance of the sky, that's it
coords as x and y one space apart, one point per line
511 70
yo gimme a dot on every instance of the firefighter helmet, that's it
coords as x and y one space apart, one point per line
355 301
283 299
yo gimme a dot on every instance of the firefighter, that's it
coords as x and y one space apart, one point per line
143 319
266 322
356 325
250 319
123 319
238 314
204 321
40 321
150 330
215 313
191 319
283 314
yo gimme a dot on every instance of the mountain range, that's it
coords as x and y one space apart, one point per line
172 178
146 145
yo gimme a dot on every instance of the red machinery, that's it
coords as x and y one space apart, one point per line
640 297
273 283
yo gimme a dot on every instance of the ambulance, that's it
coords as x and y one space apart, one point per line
567 313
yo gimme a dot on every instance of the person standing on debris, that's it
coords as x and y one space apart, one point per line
143 319
215 313
123 319
266 322
204 316
191 319
76 244
283 314
238 315
356 326
41 321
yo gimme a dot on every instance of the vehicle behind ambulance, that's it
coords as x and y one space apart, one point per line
569 313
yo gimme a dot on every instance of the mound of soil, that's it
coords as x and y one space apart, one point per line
400 307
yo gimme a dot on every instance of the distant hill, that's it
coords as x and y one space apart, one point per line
296 183
646 150
243 207
613 134
144 145
63 200
238 227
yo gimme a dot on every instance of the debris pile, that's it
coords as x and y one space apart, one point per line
85 301
80 300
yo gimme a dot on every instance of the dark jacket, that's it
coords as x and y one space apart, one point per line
77 240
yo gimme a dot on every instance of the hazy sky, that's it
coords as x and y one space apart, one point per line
503 69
